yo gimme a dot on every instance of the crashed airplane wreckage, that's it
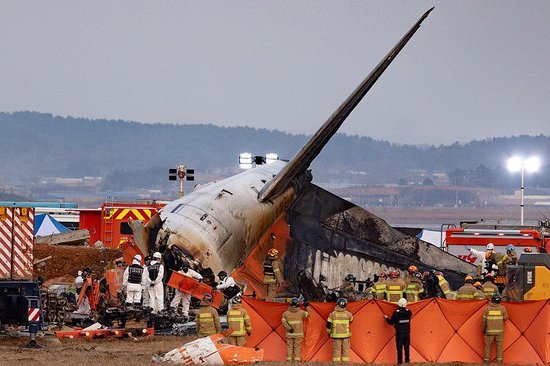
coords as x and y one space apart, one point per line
227 225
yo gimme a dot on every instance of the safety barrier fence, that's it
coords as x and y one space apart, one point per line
441 331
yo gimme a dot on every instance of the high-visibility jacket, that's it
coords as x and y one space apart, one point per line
238 319
379 289
340 320
493 319
293 321
394 290
489 289
208 320
467 292
414 289
272 271
479 295
445 287
502 261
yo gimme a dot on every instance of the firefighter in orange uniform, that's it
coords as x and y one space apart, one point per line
208 320
489 287
468 291
293 321
414 287
273 277
444 285
395 287
338 327
379 287
238 319
492 326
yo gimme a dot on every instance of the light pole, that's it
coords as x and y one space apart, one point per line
530 165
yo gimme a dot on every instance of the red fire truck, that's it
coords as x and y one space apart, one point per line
109 224
477 235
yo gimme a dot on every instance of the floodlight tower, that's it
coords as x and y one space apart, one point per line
518 164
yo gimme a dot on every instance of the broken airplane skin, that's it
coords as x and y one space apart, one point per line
218 224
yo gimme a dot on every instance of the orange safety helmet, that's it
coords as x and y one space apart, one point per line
394 274
273 252
468 279
412 269
383 274
478 285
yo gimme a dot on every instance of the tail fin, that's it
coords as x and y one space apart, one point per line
313 147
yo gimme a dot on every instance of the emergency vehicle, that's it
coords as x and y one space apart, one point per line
477 235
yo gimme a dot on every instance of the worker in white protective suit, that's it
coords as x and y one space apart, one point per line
155 285
228 286
134 278
84 307
181 296
480 259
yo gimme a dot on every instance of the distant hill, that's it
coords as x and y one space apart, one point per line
42 145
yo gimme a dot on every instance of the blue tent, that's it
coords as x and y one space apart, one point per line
45 225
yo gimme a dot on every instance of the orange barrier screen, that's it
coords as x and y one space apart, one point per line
442 331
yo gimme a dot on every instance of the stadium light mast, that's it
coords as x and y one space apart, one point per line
518 164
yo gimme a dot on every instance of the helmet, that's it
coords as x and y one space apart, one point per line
417 275
294 302
478 284
511 247
528 250
349 277
207 297
341 302
394 274
468 279
236 300
402 303
438 273
490 246
383 274
489 277
273 252
157 255
412 269
496 298
425 275
184 265
222 274
137 257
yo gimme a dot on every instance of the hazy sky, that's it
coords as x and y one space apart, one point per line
475 69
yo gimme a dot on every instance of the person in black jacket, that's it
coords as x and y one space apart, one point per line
401 320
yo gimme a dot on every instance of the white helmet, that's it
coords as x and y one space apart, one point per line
490 246
137 257
402 302
157 255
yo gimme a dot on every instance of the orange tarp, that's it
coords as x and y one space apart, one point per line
442 331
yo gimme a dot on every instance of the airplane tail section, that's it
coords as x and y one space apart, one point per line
313 147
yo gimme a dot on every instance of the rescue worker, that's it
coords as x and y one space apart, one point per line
468 291
273 277
181 296
347 290
145 297
155 285
380 286
395 287
431 285
228 285
293 321
414 287
479 295
79 282
511 253
444 285
338 328
401 320
208 320
84 307
492 326
489 287
238 319
480 258
501 260
134 279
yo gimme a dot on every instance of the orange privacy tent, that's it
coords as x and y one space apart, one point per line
442 331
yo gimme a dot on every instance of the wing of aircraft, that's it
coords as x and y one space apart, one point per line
309 151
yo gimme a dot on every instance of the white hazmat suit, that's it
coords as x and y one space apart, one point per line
182 296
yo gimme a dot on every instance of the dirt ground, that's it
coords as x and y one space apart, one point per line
103 352
68 260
